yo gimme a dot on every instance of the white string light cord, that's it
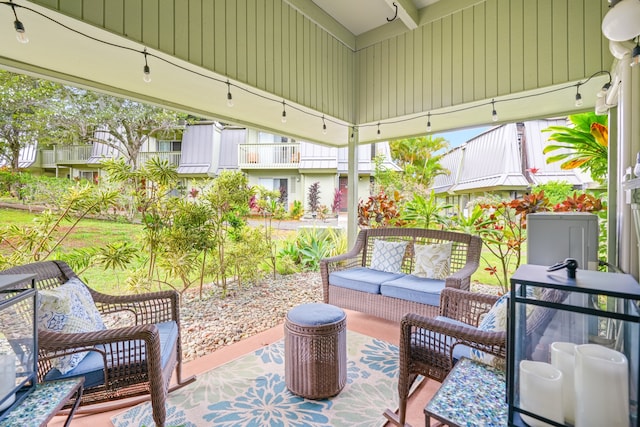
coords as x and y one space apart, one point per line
22 37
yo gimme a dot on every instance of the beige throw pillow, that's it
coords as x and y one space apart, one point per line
433 261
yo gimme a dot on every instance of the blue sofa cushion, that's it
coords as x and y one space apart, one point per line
91 367
412 288
362 279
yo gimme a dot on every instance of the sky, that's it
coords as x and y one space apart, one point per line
459 137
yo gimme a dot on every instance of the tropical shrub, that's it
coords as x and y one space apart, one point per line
587 142
313 198
380 210
425 212
337 202
39 240
297 210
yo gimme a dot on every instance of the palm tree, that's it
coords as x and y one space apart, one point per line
418 159
586 143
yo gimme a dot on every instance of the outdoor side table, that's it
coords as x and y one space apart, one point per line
41 405
473 394
315 343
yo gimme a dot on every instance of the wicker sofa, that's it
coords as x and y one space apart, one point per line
372 293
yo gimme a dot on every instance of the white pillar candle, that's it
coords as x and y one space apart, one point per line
563 359
602 387
541 392
7 379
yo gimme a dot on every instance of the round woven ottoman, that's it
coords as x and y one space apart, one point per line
315 350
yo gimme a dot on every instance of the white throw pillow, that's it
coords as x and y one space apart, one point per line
433 261
387 256
69 309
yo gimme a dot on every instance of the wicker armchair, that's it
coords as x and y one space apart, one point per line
135 359
427 344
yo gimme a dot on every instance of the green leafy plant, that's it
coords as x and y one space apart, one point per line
42 238
587 143
555 191
296 210
425 212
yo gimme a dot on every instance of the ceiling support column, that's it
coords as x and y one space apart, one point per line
628 148
352 185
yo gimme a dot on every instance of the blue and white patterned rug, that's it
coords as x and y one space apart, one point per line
251 391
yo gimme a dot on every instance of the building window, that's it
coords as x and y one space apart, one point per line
168 146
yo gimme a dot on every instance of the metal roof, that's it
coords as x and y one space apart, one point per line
451 161
493 160
315 156
26 158
230 138
197 149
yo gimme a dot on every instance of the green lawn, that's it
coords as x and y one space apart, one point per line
88 233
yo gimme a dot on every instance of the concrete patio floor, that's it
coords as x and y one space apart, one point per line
358 322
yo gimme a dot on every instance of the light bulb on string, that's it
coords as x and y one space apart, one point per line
578 96
494 113
324 126
284 112
429 122
635 55
378 128
146 76
21 34
229 96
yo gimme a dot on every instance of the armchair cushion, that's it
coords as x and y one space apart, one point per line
433 261
92 366
387 256
68 309
459 350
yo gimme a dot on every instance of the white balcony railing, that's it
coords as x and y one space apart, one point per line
48 158
72 154
269 156
173 157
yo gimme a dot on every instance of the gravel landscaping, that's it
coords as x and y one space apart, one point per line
213 322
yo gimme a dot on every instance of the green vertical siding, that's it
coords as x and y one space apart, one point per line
486 49
491 49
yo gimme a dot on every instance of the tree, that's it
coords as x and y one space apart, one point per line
128 125
26 105
417 158
587 143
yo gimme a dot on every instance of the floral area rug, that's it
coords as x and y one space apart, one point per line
251 391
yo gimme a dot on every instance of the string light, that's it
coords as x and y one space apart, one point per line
146 77
21 35
635 55
229 96
324 126
494 113
578 96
